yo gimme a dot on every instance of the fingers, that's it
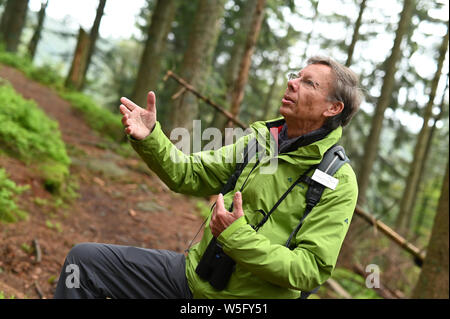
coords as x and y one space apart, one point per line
125 120
237 202
151 101
124 110
130 105
220 205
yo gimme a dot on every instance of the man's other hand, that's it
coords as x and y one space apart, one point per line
221 218
138 122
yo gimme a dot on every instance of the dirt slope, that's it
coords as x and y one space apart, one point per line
120 202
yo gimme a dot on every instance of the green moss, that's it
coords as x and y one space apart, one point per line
55 176
100 119
28 134
26 131
9 191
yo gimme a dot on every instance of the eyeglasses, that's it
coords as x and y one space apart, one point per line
292 76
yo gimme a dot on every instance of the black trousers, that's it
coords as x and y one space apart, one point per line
93 270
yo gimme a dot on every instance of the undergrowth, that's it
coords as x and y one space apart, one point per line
100 119
44 74
3 296
9 191
29 135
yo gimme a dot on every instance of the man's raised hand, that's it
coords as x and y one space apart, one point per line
138 122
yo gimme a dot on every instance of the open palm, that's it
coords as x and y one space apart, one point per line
138 122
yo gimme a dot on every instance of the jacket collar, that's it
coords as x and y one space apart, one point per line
286 144
310 147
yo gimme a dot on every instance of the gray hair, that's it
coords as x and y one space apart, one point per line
345 89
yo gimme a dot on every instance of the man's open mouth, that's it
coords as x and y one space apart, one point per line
287 99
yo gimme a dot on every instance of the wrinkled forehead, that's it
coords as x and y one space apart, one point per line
321 73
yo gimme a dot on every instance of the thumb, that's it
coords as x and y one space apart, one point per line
237 202
219 202
151 101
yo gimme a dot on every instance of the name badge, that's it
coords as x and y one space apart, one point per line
324 179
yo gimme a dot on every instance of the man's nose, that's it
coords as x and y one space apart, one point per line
293 84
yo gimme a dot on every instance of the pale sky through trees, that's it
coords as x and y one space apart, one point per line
119 21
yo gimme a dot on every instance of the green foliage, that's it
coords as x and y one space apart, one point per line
54 225
9 191
28 134
100 119
3 296
44 74
27 248
52 279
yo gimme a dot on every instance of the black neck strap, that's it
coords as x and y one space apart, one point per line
303 178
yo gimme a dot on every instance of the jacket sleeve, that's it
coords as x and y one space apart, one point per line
319 240
198 174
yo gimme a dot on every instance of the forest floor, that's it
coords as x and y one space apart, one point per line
120 202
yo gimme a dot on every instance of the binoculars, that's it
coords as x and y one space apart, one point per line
215 266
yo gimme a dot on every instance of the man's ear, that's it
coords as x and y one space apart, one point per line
334 109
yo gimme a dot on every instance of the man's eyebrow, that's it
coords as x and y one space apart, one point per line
309 77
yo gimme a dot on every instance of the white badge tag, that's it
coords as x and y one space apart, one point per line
324 179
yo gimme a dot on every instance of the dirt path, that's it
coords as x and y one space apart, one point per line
120 202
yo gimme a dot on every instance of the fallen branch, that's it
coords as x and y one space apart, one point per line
418 254
39 290
37 251
202 97
333 284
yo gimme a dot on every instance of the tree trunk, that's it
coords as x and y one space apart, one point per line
74 79
421 144
424 162
355 36
149 68
93 35
11 25
433 280
371 145
232 69
196 60
32 46
239 85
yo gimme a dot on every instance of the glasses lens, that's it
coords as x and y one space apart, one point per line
292 76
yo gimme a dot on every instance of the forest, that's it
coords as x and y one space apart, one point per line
69 175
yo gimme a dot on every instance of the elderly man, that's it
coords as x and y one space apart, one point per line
319 101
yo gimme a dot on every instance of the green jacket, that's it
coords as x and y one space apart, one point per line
265 268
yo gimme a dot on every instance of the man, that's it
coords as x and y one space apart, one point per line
319 101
